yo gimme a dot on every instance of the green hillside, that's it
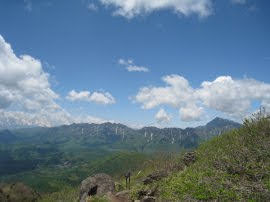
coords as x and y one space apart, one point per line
232 167
53 179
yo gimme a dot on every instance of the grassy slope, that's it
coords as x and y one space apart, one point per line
234 166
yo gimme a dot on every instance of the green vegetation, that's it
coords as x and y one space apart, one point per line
232 167
53 179
67 194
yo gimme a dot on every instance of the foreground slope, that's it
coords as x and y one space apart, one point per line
233 166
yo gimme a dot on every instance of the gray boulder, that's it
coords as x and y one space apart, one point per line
97 185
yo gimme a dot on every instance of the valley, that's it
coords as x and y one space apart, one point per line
48 159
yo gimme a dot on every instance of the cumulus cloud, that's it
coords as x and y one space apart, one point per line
162 116
23 83
97 97
132 8
26 97
177 93
131 67
191 112
224 94
234 97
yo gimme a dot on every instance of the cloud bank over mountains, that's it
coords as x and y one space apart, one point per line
227 95
19 119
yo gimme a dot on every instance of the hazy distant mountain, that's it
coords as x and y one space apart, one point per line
216 127
220 123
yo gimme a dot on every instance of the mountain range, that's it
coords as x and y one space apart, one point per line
118 136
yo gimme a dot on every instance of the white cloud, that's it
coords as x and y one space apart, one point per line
132 8
26 97
23 83
92 7
191 113
234 97
176 94
137 69
224 94
131 67
97 97
239 1
162 116
82 96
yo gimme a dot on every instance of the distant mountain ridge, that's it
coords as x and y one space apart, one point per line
119 136
69 153
220 122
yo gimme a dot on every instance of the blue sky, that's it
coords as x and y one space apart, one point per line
87 46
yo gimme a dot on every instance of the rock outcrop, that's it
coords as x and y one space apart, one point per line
156 176
97 185
17 192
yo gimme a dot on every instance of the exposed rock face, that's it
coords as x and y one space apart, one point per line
99 184
189 158
17 192
156 176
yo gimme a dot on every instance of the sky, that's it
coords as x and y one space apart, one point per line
168 63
